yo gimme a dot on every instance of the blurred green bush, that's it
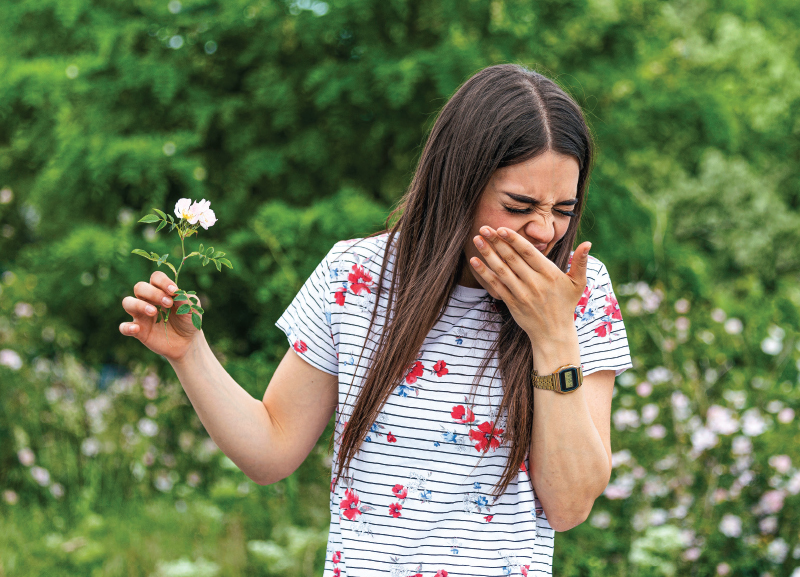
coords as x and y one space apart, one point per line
301 121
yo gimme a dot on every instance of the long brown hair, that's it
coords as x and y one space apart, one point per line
503 115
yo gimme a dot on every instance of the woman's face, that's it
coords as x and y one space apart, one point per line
535 198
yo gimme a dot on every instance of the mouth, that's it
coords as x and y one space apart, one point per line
540 247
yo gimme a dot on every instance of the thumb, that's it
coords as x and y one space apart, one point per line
580 260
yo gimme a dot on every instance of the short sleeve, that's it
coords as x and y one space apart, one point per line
598 319
307 321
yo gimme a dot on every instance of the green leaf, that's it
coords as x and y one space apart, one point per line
180 298
183 309
217 254
162 225
205 260
201 248
149 218
172 220
226 262
162 259
161 214
190 292
197 321
140 252
154 256
198 309
219 266
169 264
209 251
192 254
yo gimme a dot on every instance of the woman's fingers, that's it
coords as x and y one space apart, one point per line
489 276
153 295
522 248
502 270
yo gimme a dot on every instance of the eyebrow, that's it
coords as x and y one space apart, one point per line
529 200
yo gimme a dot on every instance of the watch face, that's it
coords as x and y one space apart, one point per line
568 379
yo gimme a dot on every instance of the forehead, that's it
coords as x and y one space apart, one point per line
549 175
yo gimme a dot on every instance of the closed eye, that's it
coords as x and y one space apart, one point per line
529 210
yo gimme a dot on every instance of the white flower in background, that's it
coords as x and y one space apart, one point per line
90 446
781 463
649 413
682 306
40 475
692 554
742 446
723 569
786 415
731 525
718 315
733 326
601 519
753 424
644 389
147 427
657 431
793 486
736 398
57 490
768 525
659 375
622 457
771 346
10 359
721 420
777 550
10 497
680 406
625 418
703 439
26 456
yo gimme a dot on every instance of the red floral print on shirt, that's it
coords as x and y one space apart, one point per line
391 438
440 368
524 569
462 414
349 504
580 308
489 518
359 280
337 556
337 572
416 371
604 329
441 573
339 296
394 510
612 308
487 436
399 491
300 346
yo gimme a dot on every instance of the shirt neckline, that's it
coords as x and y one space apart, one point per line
465 293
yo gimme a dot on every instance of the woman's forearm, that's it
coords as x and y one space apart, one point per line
238 423
569 464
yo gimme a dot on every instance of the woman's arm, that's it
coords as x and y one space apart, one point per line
266 439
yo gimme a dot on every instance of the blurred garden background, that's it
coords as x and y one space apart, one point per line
301 121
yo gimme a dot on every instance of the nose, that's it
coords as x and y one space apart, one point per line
541 228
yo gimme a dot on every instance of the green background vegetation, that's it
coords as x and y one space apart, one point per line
301 122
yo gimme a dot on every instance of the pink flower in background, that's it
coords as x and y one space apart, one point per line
26 457
771 502
781 463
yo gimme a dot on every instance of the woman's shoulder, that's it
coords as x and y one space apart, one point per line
365 251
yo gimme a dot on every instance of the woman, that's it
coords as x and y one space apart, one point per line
464 435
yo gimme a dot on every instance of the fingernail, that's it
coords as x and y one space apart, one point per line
502 232
167 302
150 309
479 242
172 288
485 231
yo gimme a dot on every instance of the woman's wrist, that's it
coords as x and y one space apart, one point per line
554 350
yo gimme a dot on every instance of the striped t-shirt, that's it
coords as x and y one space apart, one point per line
416 500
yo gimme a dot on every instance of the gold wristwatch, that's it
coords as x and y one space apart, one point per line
564 380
